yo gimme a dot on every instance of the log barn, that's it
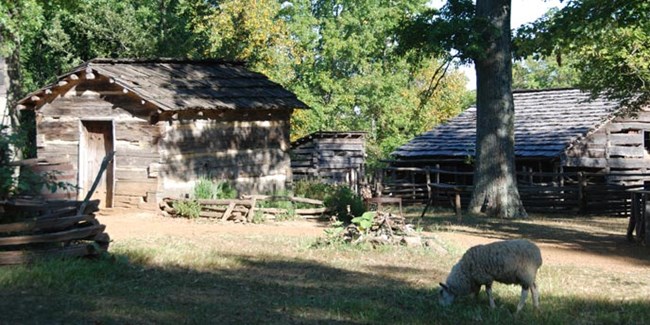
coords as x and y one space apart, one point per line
331 157
560 135
170 122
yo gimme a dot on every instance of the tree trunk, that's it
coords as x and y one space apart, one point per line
495 183
4 107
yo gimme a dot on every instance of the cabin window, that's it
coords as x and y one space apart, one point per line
646 141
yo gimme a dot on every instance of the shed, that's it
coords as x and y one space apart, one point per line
556 131
329 156
170 123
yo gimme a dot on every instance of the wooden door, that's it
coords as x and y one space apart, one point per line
97 142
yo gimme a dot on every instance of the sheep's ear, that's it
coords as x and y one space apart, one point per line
444 286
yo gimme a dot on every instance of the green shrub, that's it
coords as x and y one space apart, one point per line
365 221
345 204
337 198
187 208
209 189
313 189
28 182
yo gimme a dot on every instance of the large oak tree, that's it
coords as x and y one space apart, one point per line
495 184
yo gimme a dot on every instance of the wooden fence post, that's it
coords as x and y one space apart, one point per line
428 171
634 215
641 221
582 202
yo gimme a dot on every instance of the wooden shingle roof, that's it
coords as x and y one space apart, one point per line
546 123
176 84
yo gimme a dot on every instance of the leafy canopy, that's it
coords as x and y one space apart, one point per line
340 57
609 41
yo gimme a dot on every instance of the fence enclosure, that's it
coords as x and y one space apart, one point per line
582 192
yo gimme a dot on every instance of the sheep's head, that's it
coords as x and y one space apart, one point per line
445 297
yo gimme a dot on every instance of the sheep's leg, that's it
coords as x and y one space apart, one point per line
522 301
533 290
488 289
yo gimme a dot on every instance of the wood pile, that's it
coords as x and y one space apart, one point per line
33 229
243 210
386 229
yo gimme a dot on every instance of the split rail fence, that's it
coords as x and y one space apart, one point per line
32 229
582 192
244 209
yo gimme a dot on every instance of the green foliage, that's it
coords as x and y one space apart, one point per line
187 208
313 189
333 235
339 199
203 189
543 73
341 58
365 221
27 181
607 40
283 204
353 77
345 204
258 217
6 171
209 189
81 30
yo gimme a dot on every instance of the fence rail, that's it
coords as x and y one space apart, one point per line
582 192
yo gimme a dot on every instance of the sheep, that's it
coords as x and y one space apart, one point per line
509 262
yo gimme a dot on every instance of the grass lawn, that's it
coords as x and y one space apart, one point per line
273 278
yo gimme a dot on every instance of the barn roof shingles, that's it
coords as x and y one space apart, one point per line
176 84
546 123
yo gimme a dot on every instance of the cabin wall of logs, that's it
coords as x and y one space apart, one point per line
620 146
249 150
331 157
83 117
87 121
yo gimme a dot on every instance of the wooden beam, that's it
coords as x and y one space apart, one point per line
226 214
77 233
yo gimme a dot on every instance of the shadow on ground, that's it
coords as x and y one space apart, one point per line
261 290
598 235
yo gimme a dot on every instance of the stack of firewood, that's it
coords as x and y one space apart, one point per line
386 229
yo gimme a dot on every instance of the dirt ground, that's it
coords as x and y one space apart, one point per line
602 247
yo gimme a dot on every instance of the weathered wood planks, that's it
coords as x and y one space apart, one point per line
54 230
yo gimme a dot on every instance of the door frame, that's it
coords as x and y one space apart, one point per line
82 174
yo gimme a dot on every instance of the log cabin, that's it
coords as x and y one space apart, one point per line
331 157
559 133
170 123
